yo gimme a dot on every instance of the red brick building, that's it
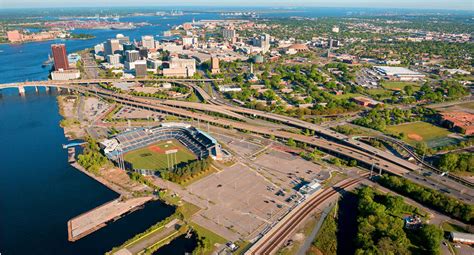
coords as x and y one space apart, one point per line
460 121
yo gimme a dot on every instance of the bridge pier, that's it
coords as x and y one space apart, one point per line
58 89
46 88
21 90
36 89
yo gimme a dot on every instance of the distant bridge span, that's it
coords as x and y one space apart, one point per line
51 83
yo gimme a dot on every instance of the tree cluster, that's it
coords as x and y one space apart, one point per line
186 170
456 162
429 197
378 119
381 230
91 158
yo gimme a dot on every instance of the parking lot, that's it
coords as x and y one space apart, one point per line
287 170
239 201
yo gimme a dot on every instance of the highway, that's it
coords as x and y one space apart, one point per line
333 142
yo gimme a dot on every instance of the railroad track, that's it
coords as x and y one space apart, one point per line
410 151
275 239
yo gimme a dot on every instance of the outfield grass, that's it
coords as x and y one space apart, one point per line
153 157
419 132
399 85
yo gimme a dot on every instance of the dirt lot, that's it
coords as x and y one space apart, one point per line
93 108
120 178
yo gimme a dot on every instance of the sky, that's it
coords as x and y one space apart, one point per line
421 4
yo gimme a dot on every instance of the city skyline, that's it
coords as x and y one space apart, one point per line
424 4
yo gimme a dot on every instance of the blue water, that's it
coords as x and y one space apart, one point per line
39 191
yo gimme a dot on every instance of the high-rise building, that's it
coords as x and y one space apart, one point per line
143 53
132 55
99 48
111 47
179 67
128 46
215 65
228 33
140 70
262 41
113 59
148 41
59 57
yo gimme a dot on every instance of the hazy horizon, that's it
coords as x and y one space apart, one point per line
466 5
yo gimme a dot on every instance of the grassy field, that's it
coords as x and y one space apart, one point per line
380 92
347 95
450 227
153 157
209 235
419 132
399 85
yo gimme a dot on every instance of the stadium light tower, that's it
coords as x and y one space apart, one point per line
171 158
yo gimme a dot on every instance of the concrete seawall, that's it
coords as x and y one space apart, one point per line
90 221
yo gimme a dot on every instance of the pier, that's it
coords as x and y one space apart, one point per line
97 218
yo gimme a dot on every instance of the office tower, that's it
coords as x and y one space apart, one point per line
143 53
128 46
111 47
148 42
113 59
263 42
215 65
60 57
99 48
132 55
140 70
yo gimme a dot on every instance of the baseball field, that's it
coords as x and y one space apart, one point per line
154 157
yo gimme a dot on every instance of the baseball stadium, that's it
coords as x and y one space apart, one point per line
147 150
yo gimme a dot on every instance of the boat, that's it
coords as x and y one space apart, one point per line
48 62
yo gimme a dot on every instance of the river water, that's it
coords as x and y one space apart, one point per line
39 191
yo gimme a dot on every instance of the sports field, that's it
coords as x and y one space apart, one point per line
399 85
153 157
420 132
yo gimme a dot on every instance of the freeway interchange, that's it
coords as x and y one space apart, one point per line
221 113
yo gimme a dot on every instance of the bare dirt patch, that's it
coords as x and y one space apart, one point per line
415 137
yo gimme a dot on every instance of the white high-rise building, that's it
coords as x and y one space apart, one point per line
99 48
111 47
148 41
113 59
132 55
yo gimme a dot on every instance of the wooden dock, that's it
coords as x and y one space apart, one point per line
90 221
